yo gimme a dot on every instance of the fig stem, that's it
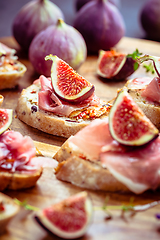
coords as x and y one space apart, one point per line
155 60
60 22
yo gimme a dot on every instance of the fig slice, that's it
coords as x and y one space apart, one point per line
128 124
67 83
69 218
5 119
116 65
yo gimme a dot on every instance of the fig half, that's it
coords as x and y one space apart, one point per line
69 218
67 83
5 119
128 124
116 65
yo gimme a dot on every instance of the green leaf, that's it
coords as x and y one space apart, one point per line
135 54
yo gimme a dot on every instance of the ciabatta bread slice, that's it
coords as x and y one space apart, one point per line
92 159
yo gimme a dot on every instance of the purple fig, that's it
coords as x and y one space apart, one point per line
61 40
150 20
101 24
32 18
81 3
116 66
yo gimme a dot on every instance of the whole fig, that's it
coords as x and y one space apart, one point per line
80 3
150 19
61 40
32 18
101 24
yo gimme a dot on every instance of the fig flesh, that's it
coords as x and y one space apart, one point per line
115 65
5 119
61 40
108 24
128 124
69 218
68 84
150 21
32 18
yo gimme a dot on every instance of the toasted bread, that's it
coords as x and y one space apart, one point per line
28 111
11 70
74 167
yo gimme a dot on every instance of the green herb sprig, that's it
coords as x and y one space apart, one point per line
134 56
26 205
149 68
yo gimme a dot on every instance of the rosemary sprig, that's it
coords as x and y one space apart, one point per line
123 208
26 205
130 208
149 68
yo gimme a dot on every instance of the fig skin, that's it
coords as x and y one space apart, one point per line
61 40
101 24
126 70
80 3
32 18
150 20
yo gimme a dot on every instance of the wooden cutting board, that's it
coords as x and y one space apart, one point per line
49 190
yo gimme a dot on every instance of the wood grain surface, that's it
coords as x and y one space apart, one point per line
49 190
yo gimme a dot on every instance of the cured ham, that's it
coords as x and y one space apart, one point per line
49 101
136 167
152 91
19 166
139 83
15 151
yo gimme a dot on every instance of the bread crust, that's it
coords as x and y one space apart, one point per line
46 121
75 168
10 79
18 180
87 174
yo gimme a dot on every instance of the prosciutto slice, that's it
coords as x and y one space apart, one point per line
152 91
15 150
18 153
139 83
136 167
92 138
49 101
